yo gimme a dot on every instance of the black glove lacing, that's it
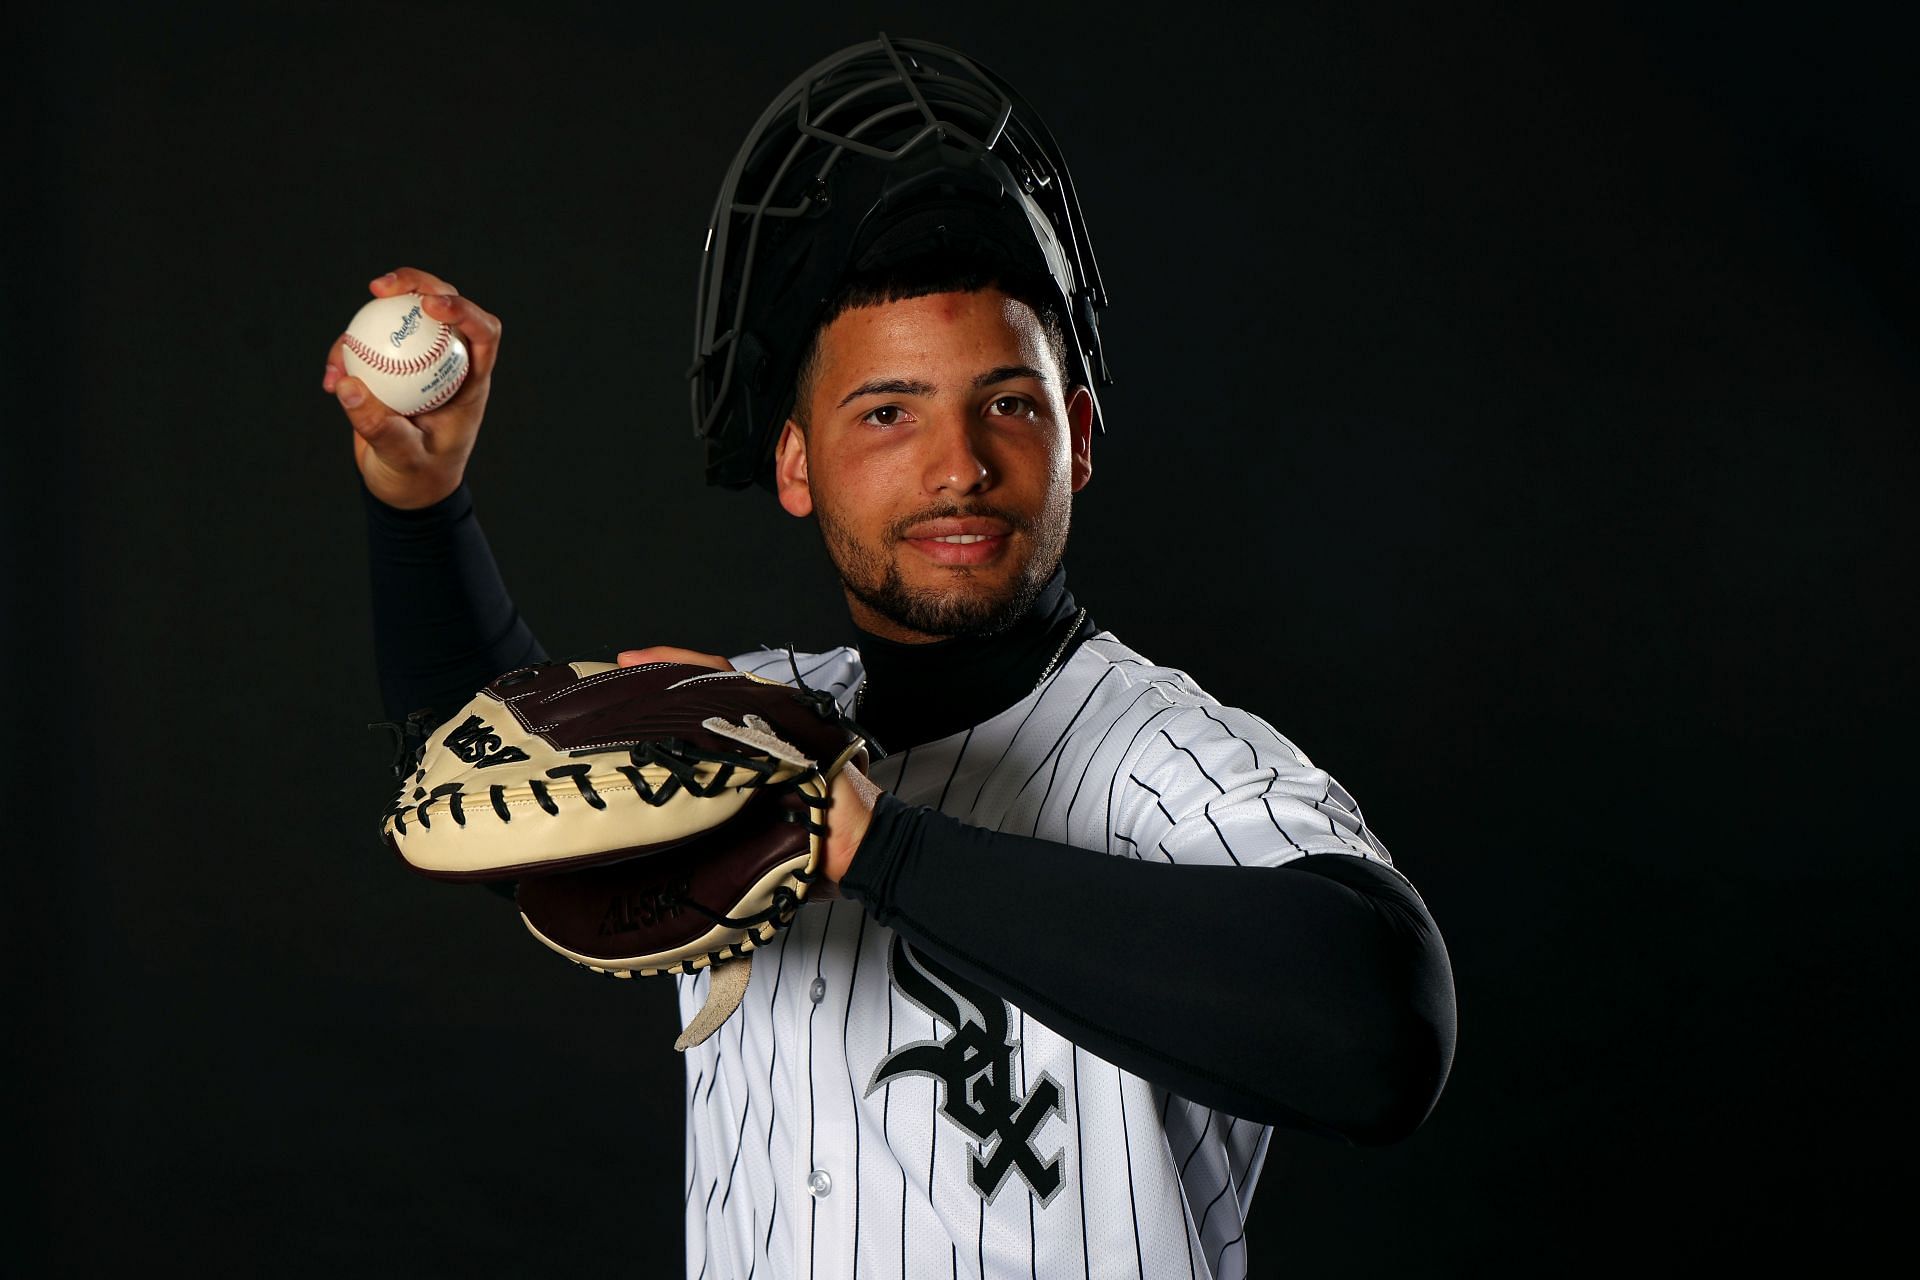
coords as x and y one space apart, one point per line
409 739
827 707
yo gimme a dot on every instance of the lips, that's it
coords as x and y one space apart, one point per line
960 526
958 553
965 540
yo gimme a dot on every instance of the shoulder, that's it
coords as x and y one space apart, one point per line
1179 696
1206 780
1120 675
1120 671
836 670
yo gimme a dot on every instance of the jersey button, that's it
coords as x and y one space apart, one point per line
819 990
819 1183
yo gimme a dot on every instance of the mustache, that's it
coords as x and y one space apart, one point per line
979 511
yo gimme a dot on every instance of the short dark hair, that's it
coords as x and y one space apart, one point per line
948 272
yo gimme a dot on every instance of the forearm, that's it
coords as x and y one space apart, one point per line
1315 996
443 623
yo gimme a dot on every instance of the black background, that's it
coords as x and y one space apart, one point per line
1513 410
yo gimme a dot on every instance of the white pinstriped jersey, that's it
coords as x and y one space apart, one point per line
868 1113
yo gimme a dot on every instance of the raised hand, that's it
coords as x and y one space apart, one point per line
415 462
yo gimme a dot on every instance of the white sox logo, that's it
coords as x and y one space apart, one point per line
479 745
974 1066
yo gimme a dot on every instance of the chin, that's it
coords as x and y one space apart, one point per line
955 601
898 584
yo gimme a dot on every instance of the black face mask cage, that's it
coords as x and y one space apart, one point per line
880 153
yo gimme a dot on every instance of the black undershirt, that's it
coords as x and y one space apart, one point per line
1316 996
917 693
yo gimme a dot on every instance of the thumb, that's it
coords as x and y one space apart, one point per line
672 653
389 434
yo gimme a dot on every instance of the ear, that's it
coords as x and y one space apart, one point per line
790 470
1080 435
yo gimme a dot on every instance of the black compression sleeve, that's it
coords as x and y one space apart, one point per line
443 623
1316 995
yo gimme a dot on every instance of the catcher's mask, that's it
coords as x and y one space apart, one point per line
883 152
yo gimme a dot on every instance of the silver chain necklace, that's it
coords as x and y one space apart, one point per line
860 697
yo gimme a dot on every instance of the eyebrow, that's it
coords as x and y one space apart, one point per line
909 387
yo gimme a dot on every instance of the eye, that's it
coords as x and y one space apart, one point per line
1013 406
887 415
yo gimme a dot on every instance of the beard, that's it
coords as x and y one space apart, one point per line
968 607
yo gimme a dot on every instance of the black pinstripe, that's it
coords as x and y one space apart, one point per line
773 1060
1220 1259
1112 826
1033 1232
1053 752
1080 1144
813 1109
707 1257
1012 740
1133 1205
1207 812
853 981
1273 774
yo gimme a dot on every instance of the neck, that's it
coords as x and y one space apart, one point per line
921 692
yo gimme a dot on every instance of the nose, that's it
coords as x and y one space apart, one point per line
957 460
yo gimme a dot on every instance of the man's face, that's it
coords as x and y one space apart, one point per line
932 419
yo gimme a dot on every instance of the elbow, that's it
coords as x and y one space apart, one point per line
1415 1056
1412 1077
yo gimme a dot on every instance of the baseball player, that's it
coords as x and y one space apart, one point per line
928 1075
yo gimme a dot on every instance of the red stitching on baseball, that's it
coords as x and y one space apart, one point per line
384 363
446 393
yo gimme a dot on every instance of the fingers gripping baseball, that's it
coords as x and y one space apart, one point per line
412 461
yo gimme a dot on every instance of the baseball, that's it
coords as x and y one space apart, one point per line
411 362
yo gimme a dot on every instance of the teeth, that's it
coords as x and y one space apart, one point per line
962 538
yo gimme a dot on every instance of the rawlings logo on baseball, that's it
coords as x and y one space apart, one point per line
407 326
411 362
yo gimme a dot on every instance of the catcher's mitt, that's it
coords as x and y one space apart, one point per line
658 818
